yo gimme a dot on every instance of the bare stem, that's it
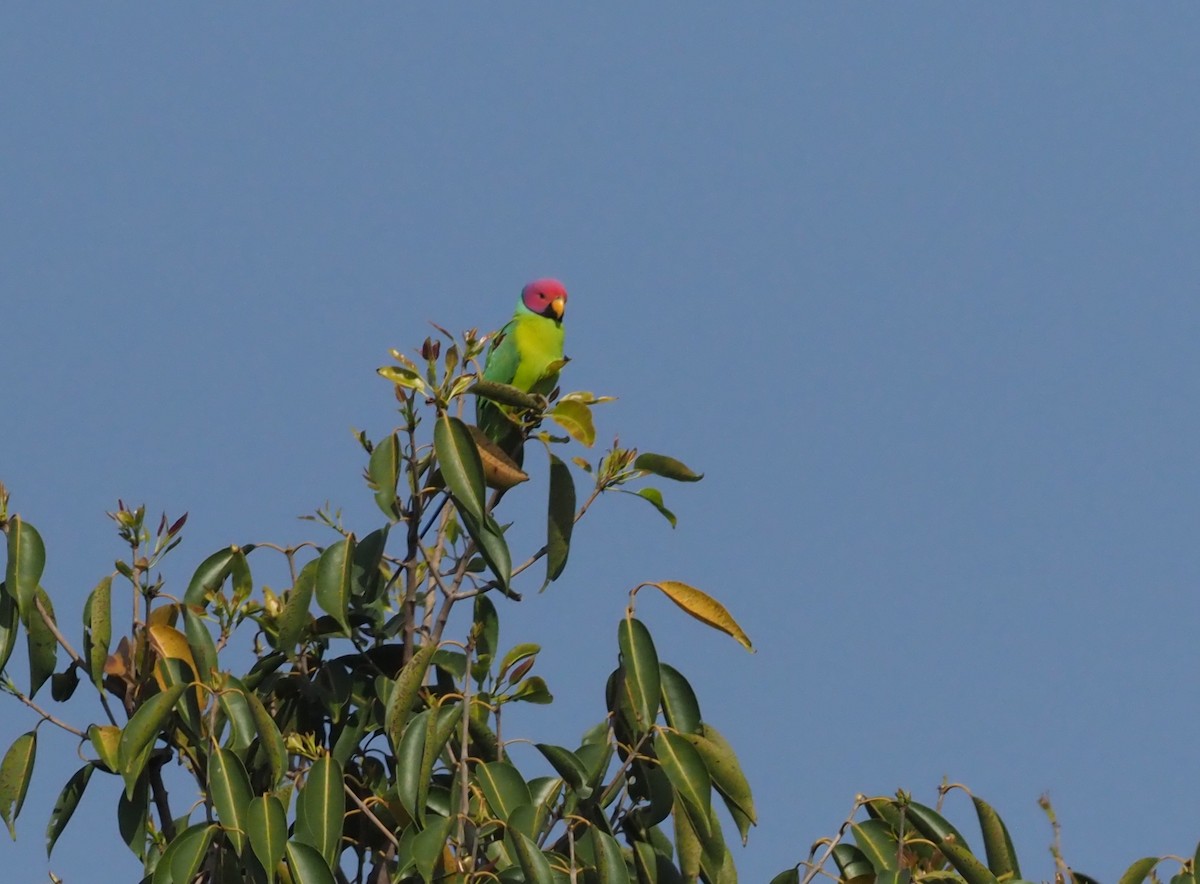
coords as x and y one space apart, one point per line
378 823
46 716
815 868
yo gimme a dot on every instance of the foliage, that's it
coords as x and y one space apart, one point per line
903 842
358 741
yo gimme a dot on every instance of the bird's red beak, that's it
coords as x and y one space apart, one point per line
558 306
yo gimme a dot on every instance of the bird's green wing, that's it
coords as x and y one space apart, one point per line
501 367
503 358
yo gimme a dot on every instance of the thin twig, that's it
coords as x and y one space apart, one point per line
387 833
46 716
431 561
814 870
59 637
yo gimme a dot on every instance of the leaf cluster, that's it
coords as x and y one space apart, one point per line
901 841
357 740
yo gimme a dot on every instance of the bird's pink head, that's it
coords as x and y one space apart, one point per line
545 297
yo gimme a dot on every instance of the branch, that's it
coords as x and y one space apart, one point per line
46 716
158 789
815 869
387 833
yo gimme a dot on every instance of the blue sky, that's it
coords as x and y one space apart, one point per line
914 285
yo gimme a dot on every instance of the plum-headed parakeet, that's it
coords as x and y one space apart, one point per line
526 354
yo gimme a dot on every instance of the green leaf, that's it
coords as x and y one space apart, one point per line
877 841
334 571
307 864
790 876
678 700
106 740
533 862
26 561
8 625
239 570
269 738
427 848
595 756
687 843
568 766
655 867
642 678
452 662
655 497
231 699
266 823
15 772
404 694
560 518
1001 856
229 787
132 813
43 646
727 777
532 690
294 619
505 394
140 732
402 377
438 728
459 461
576 418
932 824
1137 872
716 863
610 863
64 807
320 809
852 862
515 655
63 684
368 579
171 672
409 755
652 788
383 472
686 770
485 630
503 787
667 467
182 859
489 538
200 642
965 862
97 632
208 578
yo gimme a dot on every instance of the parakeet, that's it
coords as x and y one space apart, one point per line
526 354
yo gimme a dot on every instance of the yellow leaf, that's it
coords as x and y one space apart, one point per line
402 377
576 418
165 614
105 739
704 608
171 644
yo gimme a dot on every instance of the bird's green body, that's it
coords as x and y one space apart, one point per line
530 345
527 354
